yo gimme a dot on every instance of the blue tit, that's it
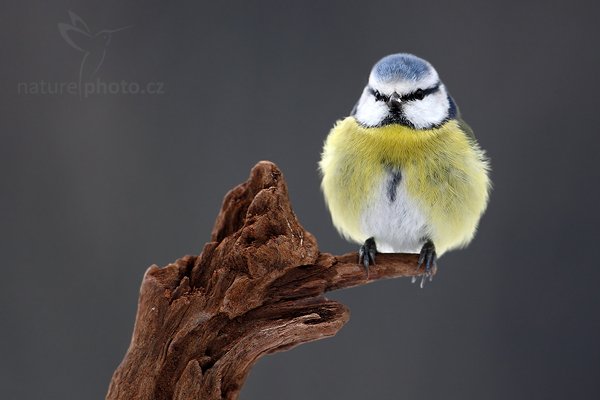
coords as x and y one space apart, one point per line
404 173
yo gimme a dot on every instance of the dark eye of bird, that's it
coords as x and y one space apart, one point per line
379 96
419 94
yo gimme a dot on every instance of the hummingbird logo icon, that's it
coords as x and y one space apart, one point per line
93 45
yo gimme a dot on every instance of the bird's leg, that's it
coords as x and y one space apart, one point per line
366 253
428 258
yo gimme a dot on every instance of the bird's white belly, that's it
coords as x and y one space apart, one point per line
397 224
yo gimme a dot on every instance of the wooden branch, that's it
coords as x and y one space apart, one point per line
256 288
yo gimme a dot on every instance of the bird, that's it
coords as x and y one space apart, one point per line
403 173
92 45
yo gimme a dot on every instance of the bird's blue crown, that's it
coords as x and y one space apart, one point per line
401 66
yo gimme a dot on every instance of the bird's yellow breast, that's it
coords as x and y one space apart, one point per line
444 171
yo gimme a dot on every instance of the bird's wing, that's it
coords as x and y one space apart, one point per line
78 22
465 127
76 37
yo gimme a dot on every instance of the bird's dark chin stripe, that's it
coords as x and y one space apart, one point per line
396 118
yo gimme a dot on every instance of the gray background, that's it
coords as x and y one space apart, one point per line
95 190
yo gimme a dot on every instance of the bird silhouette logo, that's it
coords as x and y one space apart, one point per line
93 45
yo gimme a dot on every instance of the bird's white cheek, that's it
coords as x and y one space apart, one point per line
432 110
370 112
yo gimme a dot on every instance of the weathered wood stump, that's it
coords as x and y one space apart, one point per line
256 288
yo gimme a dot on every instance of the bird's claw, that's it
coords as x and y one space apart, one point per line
366 254
428 258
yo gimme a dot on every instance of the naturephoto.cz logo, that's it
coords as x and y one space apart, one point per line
93 48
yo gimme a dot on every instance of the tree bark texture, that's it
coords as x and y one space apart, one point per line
257 288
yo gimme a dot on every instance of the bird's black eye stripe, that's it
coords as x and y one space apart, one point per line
378 95
419 94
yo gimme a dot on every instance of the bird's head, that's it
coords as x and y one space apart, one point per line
105 36
404 89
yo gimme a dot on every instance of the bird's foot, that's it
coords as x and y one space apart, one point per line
366 254
428 258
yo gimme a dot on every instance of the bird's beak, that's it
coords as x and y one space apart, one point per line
394 102
119 29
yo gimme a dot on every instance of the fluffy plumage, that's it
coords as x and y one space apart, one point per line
442 193
404 169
